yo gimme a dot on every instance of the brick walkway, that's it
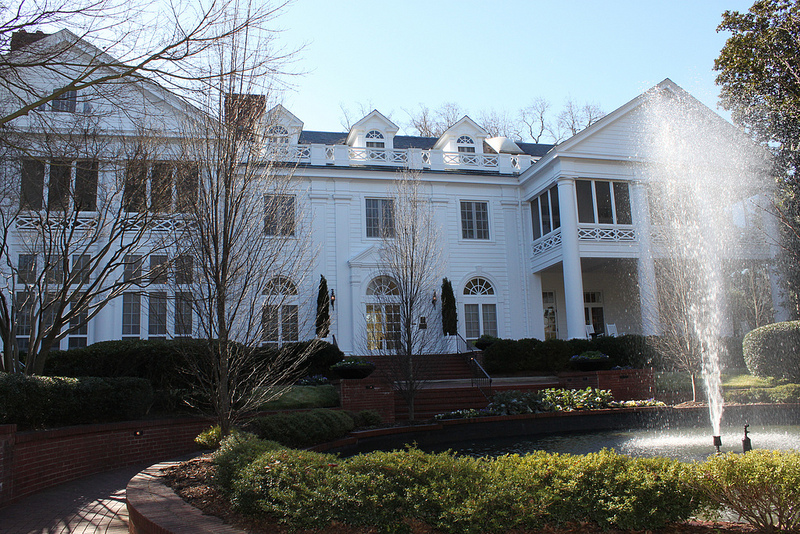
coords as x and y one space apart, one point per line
93 504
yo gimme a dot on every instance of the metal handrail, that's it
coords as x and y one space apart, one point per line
480 378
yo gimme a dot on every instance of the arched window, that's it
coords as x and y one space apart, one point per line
383 314
278 135
279 320
375 139
465 144
480 309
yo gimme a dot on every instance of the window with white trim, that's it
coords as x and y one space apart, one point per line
474 220
545 213
71 184
279 215
278 135
279 320
383 314
603 202
375 139
380 217
593 311
465 144
480 309
550 315
161 187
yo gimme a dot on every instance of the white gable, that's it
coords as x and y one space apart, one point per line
375 127
279 119
464 130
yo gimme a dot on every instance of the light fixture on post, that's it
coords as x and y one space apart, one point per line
333 300
434 298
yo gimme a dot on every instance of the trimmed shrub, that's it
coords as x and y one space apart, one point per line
774 350
763 487
302 429
41 401
322 355
236 452
552 356
462 494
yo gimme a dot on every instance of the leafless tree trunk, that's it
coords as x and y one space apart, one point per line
247 239
410 259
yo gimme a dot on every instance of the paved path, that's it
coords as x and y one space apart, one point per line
92 504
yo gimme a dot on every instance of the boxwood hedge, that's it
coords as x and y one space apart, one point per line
774 350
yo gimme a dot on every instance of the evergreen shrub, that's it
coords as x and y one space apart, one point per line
463 494
302 429
774 350
41 401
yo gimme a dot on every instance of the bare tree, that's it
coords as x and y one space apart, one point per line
169 42
536 120
410 263
500 124
71 231
245 238
433 123
574 118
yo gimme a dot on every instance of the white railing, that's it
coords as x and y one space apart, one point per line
413 158
550 241
284 152
468 159
33 222
378 156
606 234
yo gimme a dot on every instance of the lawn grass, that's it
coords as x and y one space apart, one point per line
297 397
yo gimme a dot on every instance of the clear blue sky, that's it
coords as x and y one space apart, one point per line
495 54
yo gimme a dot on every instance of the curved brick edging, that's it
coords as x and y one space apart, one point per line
31 461
154 508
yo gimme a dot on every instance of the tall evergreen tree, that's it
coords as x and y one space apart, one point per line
323 323
449 314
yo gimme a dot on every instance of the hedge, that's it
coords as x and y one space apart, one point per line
302 429
774 350
457 493
552 356
40 401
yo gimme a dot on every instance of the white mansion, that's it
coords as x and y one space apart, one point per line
539 241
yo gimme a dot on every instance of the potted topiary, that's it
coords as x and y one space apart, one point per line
591 360
353 368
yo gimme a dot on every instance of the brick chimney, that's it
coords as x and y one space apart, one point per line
21 38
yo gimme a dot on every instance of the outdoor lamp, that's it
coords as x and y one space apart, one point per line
333 299
434 298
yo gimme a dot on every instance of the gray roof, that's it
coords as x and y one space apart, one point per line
402 142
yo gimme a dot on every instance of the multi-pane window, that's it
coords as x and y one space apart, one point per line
383 314
26 269
157 315
132 269
550 317
545 213
380 217
81 270
278 135
375 139
280 322
184 269
183 314
279 215
603 202
158 269
169 186
480 309
131 315
465 144
24 321
62 193
79 324
65 102
474 220
593 310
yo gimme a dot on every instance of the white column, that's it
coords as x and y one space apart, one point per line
645 268
537 307
342 314
571 258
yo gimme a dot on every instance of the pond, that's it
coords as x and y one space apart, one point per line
686 444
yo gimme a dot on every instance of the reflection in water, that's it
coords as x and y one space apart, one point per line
684 444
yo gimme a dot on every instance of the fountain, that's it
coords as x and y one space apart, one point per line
698 173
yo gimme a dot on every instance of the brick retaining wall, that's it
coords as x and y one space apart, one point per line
34 460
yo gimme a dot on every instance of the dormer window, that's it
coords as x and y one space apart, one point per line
375 139
465 144
278 135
